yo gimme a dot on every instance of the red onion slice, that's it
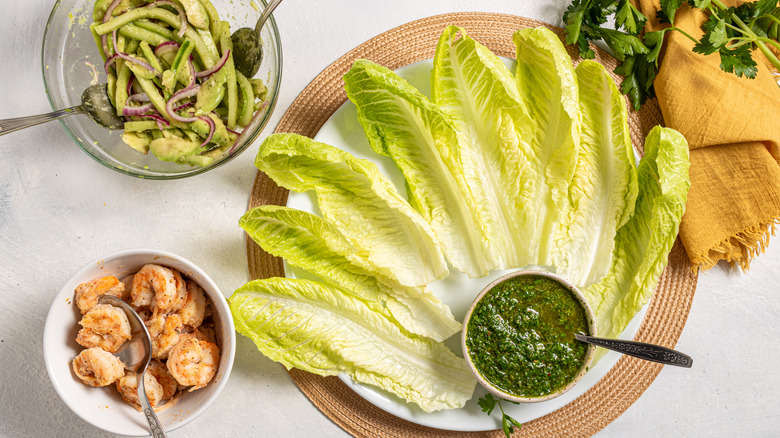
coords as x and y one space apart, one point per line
182 106
212 128
138 97
184 93
166 47
161 122
131 111
215 68
106 17
129 89
179 10
109 62
132 59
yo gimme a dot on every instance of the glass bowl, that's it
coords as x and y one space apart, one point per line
71 62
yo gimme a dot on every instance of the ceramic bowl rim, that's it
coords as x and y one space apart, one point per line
590 349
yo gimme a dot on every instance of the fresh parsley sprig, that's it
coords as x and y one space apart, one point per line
488 403
732 32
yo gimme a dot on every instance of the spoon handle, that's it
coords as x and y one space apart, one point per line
265 14
154 423
10 125
651 352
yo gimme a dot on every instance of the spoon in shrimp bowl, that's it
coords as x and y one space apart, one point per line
136 355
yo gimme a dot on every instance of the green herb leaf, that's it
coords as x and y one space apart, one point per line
638 74
654 41
487 403
623 45
573 18
764 7
629 17
738 61
669 9
715 36
701 4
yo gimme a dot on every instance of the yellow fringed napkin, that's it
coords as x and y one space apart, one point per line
733 130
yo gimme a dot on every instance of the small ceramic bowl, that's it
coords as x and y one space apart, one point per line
590 349
103 407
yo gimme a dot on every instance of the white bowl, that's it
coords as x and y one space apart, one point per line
103 407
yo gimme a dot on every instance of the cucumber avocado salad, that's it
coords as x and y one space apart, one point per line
171 76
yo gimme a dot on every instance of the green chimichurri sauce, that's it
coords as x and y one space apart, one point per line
521 336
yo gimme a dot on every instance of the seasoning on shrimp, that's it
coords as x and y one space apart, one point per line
160 372
179 318
104 326
127 386
193 362
164 331
194 308
157 287
97 367
87 294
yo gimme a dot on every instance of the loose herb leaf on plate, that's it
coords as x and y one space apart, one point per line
508 424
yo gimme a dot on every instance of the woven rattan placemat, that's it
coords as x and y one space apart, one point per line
612 395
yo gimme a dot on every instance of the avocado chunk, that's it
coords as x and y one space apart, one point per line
139 142
173 149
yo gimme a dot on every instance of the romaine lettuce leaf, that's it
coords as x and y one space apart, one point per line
316 245
361 202
316 328
644 241
401 123
603 189
548 88
475 87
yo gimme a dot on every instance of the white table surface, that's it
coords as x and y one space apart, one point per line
59 209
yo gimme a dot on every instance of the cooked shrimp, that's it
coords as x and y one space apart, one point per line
170 300
104 326
87 294
194 307
193 363
153 281
127 386
165 331
97 367
167 382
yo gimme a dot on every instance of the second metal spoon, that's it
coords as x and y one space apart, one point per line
247 47
136 355
94 103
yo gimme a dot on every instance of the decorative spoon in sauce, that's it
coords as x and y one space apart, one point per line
651 352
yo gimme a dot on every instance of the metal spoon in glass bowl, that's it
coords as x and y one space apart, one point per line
136 355
247 48
94 103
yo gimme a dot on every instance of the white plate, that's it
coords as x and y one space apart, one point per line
457 290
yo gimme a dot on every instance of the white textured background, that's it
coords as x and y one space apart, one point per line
59 209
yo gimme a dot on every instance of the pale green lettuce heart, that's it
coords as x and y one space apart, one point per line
401 123
316 328
471 84
548 88
361 202
604 186
316 245
643 243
